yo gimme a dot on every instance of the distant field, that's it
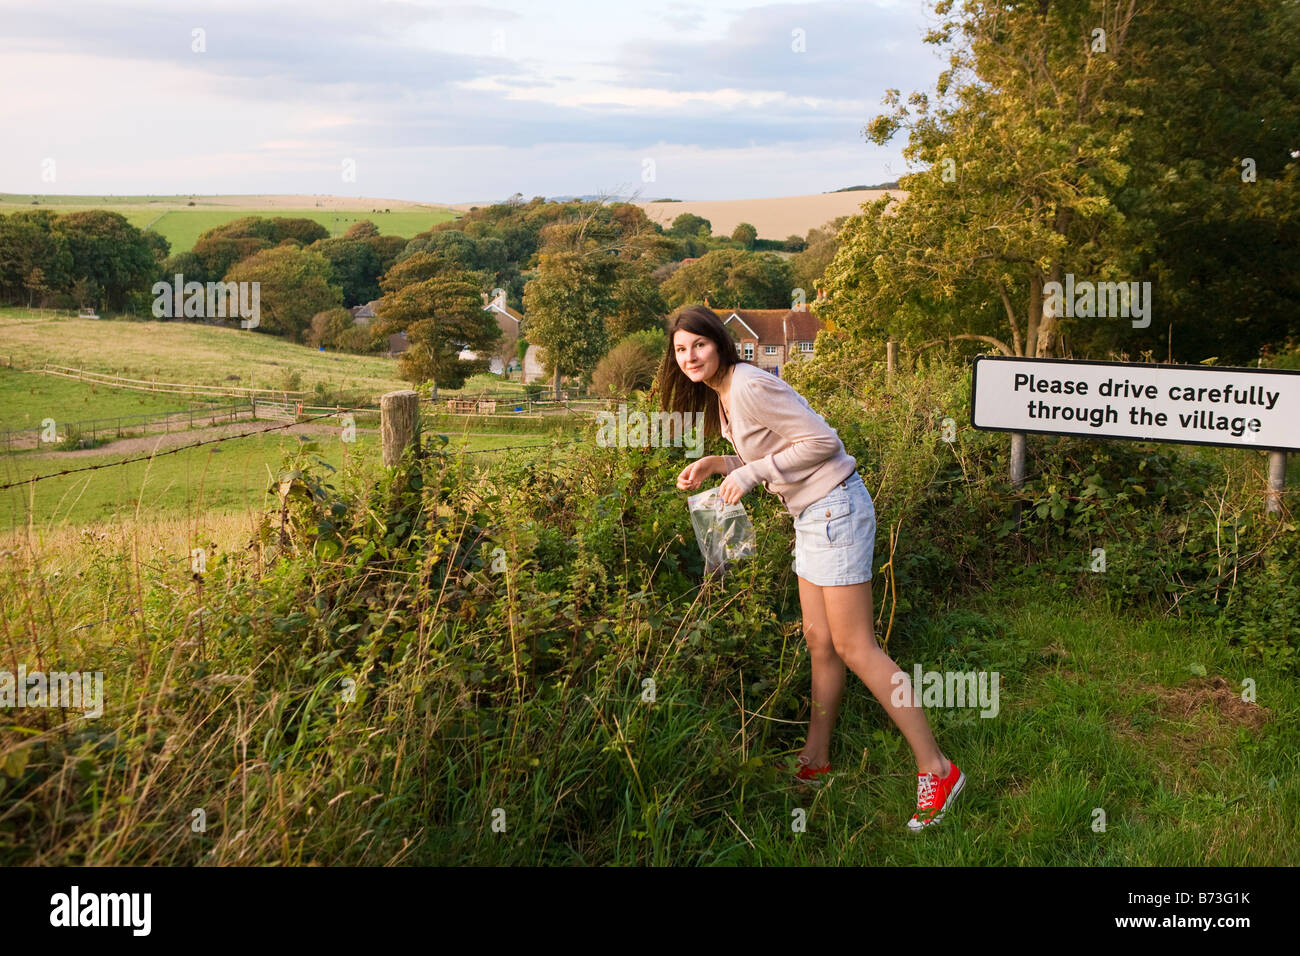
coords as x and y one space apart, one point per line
185 352
775 218
181 224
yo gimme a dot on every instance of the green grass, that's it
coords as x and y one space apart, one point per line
182 225
26 398
230 476
186 352
217 478
1091 717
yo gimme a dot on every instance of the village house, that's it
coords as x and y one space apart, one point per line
509 321
771 338
363 315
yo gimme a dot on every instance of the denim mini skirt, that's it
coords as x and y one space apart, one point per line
835 536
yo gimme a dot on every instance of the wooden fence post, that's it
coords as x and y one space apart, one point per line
399 425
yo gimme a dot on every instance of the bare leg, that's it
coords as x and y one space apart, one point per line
827 675
849 615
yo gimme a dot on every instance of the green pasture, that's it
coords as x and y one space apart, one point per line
221 477
182 225
27 398
186 353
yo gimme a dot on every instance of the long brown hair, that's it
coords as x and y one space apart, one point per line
677 393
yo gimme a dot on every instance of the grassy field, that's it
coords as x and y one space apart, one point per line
230 476
182 224
1137 718
188 353
26 398
225 477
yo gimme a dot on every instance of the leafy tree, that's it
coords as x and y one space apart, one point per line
441 316
29 240
1216 86
817 253
365 229
745 234
1087 138
566 306
356 268
216 254
638 304
189 266
630 365
387 248
295 285
110 252
36 285
732 278
336 328
689 225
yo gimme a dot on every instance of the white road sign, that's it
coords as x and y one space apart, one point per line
1188 404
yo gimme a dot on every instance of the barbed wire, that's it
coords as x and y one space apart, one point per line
263 431
173 451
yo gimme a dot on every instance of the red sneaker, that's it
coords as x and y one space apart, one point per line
809 773
934 796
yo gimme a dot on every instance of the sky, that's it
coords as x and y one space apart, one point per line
453 102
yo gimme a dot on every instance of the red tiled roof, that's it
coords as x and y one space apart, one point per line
802 326
775 326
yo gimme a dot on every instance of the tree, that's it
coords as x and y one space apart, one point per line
1018 155
216 254
1067 139
356 268
441 316
566 306
295 285
745 234
111 253
29 240
630 364
817 252
1219 236
689 225
337 329
732 278
365 229
638 303
36 285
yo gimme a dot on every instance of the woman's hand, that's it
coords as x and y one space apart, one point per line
694 473
733 489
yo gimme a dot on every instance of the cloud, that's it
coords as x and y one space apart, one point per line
411 89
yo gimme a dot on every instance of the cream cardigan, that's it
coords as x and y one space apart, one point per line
788 446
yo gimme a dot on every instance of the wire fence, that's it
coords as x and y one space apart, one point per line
328 413
23 438
171 451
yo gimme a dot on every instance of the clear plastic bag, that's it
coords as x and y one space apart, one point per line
723 531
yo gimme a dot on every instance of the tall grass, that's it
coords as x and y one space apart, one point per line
519 661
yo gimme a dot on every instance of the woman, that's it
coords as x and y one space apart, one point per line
800 459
